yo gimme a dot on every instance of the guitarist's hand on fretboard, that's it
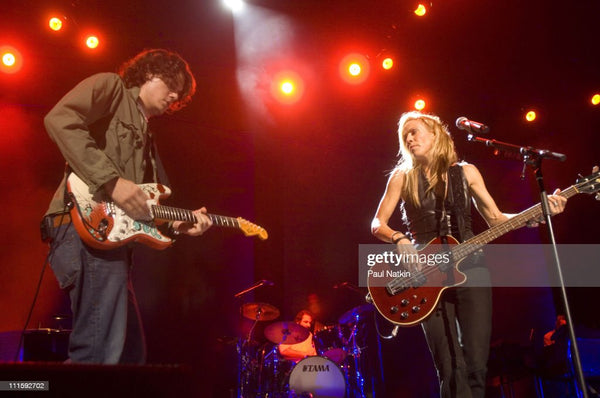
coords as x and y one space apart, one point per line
129 197
194 229
556 204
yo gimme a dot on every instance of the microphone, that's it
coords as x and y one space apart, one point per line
266 282
546 154
471 126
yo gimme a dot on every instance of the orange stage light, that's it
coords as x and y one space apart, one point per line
387 63
530 116
354 68
421 10
287 87
595 99
92 42
55 24
11 60
420 104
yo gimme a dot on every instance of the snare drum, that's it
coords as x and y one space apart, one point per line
318 376
329 343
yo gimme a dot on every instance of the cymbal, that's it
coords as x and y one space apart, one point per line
351 316
259 311
286 332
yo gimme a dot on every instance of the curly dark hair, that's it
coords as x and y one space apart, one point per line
166 65
301 313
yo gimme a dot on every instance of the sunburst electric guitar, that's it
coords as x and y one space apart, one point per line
103 225
409 301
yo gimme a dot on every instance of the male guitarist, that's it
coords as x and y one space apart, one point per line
435 192
101 128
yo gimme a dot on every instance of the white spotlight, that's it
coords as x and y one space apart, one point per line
234 5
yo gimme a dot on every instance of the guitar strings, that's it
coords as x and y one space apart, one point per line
471 245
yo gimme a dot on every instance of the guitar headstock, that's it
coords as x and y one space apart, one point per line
251 229
590 184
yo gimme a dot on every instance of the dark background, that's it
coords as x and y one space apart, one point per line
311 173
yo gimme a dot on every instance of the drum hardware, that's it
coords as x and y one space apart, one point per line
251 356
247 367
352 316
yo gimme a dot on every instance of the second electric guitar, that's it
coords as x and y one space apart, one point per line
103 225
408 301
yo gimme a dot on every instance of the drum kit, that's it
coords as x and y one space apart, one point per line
336 370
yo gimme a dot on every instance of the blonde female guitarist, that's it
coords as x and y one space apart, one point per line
435 191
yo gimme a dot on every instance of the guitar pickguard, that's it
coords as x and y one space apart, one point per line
106 224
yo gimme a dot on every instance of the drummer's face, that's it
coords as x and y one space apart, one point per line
306 321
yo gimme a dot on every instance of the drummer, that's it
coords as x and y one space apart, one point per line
303 349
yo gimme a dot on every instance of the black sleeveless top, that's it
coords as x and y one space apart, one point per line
438 216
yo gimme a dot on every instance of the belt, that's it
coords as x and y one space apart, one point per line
61 219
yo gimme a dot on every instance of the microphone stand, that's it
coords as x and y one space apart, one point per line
248 290
533 157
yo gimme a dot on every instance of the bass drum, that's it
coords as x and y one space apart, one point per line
318 376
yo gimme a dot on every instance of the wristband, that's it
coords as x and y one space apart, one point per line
395 241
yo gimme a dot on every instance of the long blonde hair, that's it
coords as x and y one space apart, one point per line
443 155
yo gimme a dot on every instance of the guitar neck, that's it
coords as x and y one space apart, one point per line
169 213
520 220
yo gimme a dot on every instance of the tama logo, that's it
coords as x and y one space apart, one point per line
315 368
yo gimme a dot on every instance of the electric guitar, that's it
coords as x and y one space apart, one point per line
407 301
103 225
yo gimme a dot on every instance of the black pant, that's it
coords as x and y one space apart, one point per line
458 335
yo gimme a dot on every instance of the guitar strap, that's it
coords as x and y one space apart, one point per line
155 171
459 201
161 174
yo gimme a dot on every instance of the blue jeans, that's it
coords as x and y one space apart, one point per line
106 322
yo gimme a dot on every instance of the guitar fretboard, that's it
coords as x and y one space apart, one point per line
520 220
176 214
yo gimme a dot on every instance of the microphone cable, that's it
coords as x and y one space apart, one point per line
39 284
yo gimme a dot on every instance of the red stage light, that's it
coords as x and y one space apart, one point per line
530 116
55 23
92 42
421 10
595 99
287 87
354 68
387 63
11 60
